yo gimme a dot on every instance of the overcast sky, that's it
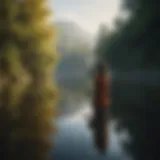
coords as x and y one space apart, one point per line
87 13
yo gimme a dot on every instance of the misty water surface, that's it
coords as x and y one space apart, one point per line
74 139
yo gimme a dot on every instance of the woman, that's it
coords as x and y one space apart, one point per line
101 102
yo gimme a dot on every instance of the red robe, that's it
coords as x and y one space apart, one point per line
101 93
101 103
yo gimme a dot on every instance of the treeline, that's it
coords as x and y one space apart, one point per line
27 93
134 43
133 46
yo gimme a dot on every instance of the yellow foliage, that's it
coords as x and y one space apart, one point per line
27 94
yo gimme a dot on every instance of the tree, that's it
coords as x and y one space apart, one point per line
28 97
13 77
99 46
119 23
134 47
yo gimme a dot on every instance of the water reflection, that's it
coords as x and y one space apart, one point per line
74 139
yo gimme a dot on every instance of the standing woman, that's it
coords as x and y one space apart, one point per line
101 103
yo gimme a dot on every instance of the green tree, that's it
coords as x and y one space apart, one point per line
13 77
136 105
100 42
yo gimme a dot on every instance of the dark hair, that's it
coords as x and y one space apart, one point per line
101 67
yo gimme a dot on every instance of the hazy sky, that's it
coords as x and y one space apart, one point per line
87 13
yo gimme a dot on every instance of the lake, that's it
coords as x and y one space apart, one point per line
74 139
130 92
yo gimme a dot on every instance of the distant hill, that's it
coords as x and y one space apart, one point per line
72 38
74 47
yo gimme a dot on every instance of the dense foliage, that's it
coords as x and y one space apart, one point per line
27 95
134 47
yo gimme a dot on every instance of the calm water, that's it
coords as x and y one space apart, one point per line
74 139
